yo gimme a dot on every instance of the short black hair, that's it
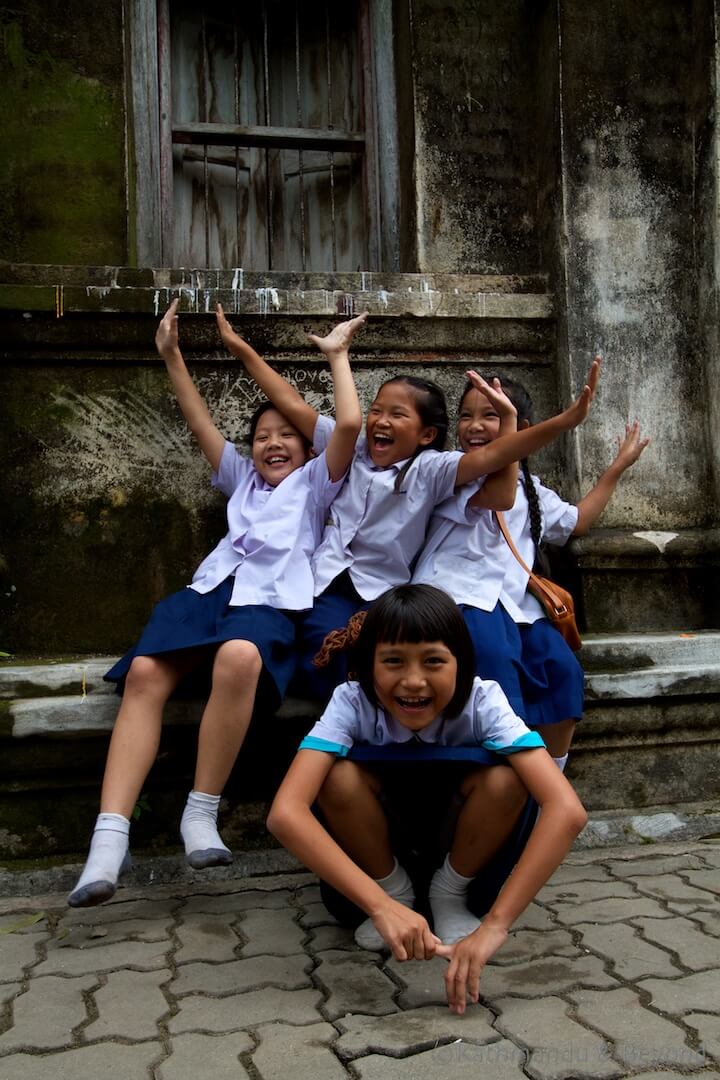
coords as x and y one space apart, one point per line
266 406
415 613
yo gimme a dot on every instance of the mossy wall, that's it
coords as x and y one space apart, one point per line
62 131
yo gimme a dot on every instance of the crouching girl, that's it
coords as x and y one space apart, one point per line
415 702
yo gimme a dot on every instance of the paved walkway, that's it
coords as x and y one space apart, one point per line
613 972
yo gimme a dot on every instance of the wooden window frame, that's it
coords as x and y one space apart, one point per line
150 134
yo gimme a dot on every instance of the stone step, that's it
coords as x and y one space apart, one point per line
67 698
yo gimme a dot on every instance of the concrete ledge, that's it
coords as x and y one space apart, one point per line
69 698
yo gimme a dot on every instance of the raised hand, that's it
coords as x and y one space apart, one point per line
577 412
494 393
340 337
166 335
631 447
232 341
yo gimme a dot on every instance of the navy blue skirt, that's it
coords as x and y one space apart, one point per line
538 671
191 620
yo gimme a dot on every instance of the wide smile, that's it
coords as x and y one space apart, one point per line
276 459
477 440
381 440
414 704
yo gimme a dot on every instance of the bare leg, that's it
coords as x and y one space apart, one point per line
133 748
494 800
223 727
227 714
351 807
136 735
349 801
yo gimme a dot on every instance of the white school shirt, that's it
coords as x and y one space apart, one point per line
373 531
272 532
468 557
486 720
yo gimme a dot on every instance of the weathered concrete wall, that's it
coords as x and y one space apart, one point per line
632 80
480 180
62 167
108 502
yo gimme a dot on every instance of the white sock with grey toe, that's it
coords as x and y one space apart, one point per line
106 859
198 828
448 902
398 885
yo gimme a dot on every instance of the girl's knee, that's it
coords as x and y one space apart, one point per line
149 676
237 662
343 783
496 784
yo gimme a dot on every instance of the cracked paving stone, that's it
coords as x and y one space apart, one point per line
330 937
553 975
528 944
559 1047
709 920
583 892
160 912
707 1026
129 1006
240 1011
85 1063
19 952
689 994
412 1031
354 983
8 991
423 981
154 911
44 1017
641 1038
695 950
275 932
677 891
622 946
193 1054
308 1048
316 915
309 894
461 1061
660 864
285 972
567 874
534 918
668 1075
70 961
236 902
610 910
704 879
206 937
89 936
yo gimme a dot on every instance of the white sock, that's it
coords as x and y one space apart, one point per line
448 895
107 857
398 885
561 762
198 828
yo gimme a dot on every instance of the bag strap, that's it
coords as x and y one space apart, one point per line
540 585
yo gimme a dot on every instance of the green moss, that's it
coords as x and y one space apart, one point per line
62 170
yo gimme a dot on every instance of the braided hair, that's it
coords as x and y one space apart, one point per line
523 403
405 614
431 407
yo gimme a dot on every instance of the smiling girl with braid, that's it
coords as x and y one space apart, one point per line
467 555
